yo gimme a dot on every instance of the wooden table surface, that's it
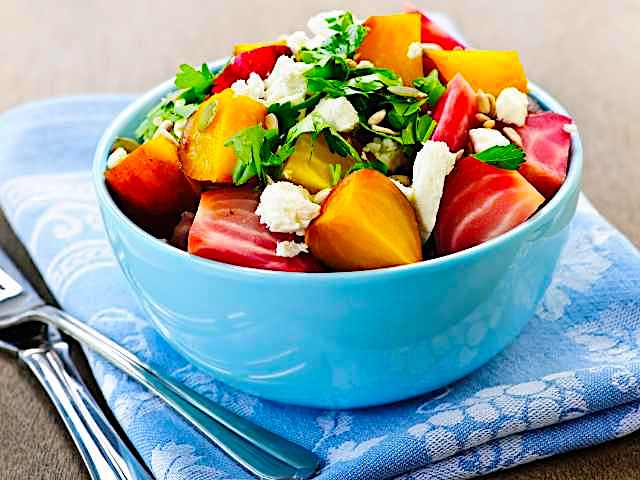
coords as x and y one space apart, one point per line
584 52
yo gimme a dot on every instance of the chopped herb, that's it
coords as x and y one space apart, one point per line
373 164
430 85
288 114
254 147
508 157
335 170
170 108
196 85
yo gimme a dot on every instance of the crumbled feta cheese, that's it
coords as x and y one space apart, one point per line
385 150
570 128
287 208
485 138
433 163
415 50
296 41
406 191
511 106
290 249
322 195
338 112
116 157
253 87
286 83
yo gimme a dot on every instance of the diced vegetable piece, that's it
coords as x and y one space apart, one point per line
387 44
148 181
456 114
480 202
311 163
260 60
227 229
546 144
365 223
434 33
489 70
202 151
247 47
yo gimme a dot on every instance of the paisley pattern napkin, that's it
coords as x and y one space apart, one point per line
572 378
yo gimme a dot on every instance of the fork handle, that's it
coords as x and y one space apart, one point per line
104 453
265 454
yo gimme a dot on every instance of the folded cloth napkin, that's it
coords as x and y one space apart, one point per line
572 378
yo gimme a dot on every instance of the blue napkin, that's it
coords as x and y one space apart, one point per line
572 379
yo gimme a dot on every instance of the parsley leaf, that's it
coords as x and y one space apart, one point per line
254 147
335 170
170 108
196 84
374 164
508 157
430 85
288 114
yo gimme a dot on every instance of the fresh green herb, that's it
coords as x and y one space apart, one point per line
254 148
196 85
170 108
430 85
335 170
288 114
425 125
373 164
508 157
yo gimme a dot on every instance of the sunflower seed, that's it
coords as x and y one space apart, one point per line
512 135
379 129
377 117
459 154
403 91
484 106
492 102
481 117
489 124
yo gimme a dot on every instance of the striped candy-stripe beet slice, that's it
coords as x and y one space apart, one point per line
455 114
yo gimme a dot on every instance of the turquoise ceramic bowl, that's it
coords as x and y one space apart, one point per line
341 340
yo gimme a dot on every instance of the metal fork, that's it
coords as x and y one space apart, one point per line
261 452
42 349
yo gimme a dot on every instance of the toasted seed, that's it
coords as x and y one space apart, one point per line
271 122
512 135
459 154
128 144
207 115
377 117
403 91
483 103
403 179
489 124
481 117
379 129
492 102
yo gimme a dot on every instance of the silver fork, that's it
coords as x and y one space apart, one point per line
263 453
41 348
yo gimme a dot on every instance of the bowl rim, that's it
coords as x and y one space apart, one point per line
571 183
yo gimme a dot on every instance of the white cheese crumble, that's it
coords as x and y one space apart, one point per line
290 249
406 191
297 41
385 150
286 83
485 138
286 208
318 23
116 157
511 106
253 87
337 112
433 163
570 128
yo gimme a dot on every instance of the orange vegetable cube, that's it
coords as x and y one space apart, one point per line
489 70
202 151
387 44
149 180
365 223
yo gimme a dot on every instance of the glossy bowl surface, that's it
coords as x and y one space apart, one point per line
341 340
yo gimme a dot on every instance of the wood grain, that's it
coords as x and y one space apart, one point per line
584 53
